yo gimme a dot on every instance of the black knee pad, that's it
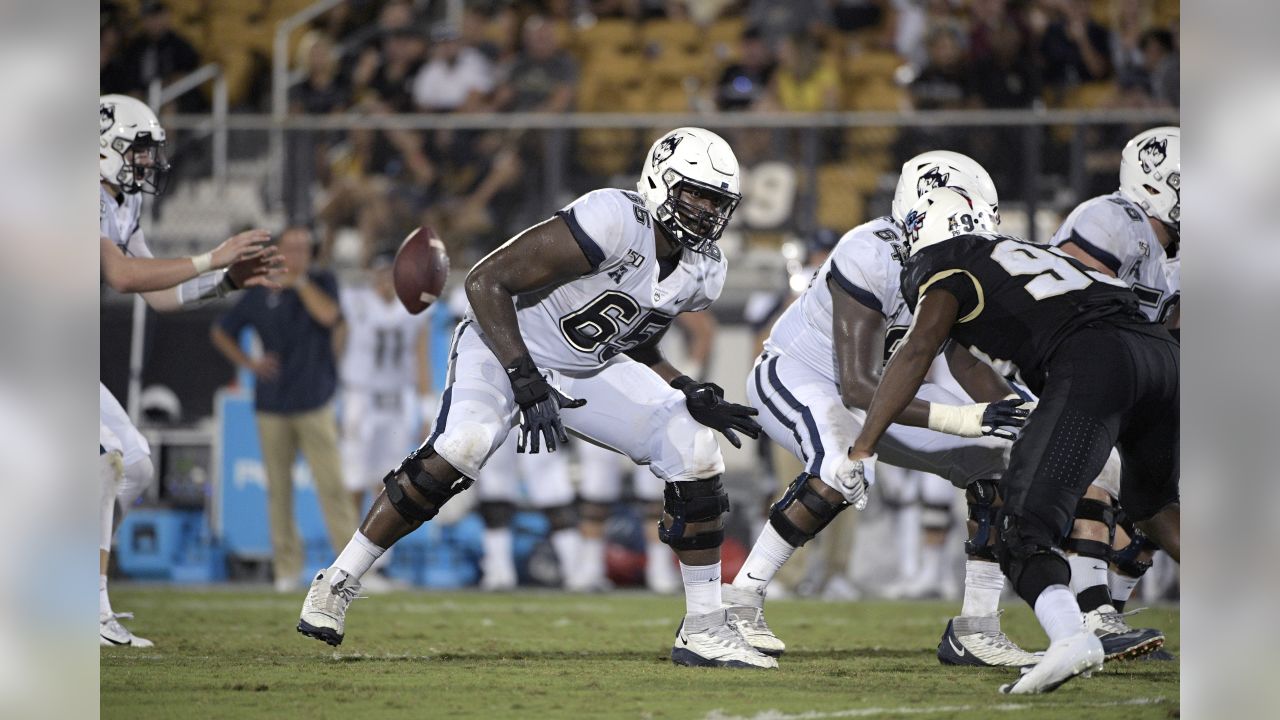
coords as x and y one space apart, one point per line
435 492
1030 563
1128 558
497 513
594 511
694 501
1097 511
562 517
982 496
821 508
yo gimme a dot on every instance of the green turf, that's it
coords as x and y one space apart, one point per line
235 654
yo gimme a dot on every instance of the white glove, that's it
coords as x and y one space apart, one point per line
854 478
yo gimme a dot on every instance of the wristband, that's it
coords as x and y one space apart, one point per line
680 382
956 419
203 263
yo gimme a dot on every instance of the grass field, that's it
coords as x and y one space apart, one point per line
230 653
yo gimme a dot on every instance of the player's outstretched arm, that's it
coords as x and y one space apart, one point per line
541 257
935 315
249 261
859 332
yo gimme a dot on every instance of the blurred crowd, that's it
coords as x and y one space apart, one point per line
549 56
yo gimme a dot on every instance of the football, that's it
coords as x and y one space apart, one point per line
420 270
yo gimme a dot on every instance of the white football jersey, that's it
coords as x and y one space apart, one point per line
867 262
578 326
381 348
1116 233
120 222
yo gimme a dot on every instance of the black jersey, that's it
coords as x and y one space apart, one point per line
1018 300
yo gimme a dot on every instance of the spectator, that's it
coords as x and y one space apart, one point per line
804 81
780 20
368 76
941 84
1126 34
296 379
158 52
320 93
1074 48
999 60
400 58
745 82
456 77
1160 60
544 74
112 74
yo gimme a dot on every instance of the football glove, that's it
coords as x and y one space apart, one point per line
1001 419
540 405
707 405
855 478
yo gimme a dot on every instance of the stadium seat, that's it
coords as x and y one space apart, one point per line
871 65
840 204
607 37
670 35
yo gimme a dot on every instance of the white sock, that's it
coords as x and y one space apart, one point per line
983 582
1086 572
499 559
1121 586
567 543
590 567
1058 613
701 588
358 556
767 556
104 602
930 565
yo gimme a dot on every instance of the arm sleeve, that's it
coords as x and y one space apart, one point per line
597 221
1099 228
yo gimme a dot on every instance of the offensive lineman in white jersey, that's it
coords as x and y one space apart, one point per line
573 308
131 162
1131 234
813 392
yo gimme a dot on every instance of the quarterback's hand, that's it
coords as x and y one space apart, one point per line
257 269
240 247
999 419
540 405
856 473
707 405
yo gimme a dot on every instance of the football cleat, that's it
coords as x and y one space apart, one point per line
324 611
1160 654
711 640
746 613
112 634
979 641
1119 641
1080 654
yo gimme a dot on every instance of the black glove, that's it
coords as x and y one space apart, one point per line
707 405
1003 418
539 406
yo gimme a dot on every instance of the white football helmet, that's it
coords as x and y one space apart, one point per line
130 145
696 162
943 213
939 168
1151 173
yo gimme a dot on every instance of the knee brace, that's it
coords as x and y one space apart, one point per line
694 501
1097 511
497 513
982 496
1128 560
821 508
1030 563
435 492
594 511
562 517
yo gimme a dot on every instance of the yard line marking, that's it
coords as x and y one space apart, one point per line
927 710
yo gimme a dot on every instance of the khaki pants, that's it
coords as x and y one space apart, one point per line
315 433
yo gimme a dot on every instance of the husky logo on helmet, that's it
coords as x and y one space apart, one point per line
666 149
930 180
106 117
1152 153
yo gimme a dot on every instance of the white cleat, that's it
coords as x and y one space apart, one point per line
1080 654
746 613
979 641
710 640
324 611
112 634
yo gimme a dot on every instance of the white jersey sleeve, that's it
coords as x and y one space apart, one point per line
599 222
862 264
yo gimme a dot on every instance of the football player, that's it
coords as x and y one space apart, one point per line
1106 377
1131 234
813 391
131 162
563 331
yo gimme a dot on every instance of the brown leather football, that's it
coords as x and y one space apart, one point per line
420 270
